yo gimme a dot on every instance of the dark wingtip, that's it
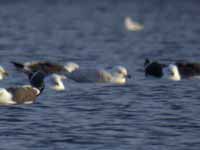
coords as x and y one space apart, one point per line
36 75
17 65
147 61
37 79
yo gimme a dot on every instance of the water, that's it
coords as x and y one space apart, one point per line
143 114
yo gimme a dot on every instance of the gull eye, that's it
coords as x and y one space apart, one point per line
119 71
56 83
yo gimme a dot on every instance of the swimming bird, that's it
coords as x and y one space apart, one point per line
45 66
3 73
161 70
26 94
187 70
118 75
55 82
132 25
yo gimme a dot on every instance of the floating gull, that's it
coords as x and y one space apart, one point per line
189 69
55 82
23 94
117 75
131 25
160 70
186 70
45 66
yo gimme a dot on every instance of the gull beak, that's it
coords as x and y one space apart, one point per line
128 76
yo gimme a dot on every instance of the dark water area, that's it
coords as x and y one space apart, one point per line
144 114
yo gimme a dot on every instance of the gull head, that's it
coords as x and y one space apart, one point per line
120 74
55 82
71 66
121 71
171 72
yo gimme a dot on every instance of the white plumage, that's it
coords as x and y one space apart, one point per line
3 73
55 82
5 97
171 72
116 75
131 25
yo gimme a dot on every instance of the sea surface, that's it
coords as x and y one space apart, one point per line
144 114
